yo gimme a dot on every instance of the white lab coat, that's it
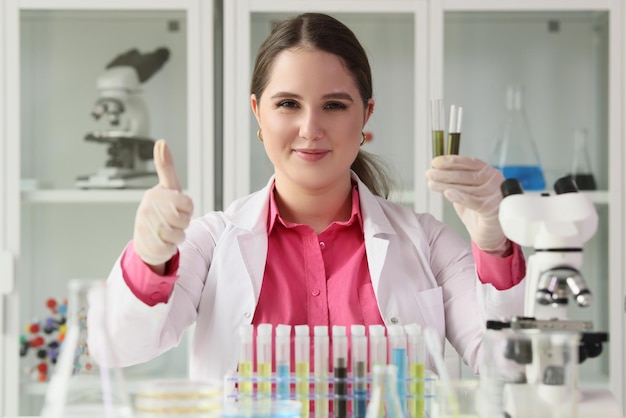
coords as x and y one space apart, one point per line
421 270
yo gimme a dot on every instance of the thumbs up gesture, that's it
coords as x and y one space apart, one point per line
163 214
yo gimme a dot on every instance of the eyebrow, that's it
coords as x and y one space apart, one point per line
343 96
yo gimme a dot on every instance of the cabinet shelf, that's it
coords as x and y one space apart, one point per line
81 196
407 197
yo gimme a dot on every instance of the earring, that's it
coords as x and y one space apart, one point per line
364 138
259 134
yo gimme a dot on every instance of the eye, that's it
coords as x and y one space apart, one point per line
335 106
287 104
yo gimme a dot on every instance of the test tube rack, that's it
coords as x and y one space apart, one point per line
349 380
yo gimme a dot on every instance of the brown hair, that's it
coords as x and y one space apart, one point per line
325 33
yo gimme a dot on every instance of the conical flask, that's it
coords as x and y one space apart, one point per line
80 386
515 153
582 173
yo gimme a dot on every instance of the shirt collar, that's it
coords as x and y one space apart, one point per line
275 216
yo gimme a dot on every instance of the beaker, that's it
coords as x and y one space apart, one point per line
80 386
515 153
581 165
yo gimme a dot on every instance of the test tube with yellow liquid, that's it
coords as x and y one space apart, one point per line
416 355
302 354
321 364
245 367
264 361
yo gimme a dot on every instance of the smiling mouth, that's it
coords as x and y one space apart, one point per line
311 154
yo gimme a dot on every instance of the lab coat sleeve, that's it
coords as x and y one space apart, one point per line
467 302
139 332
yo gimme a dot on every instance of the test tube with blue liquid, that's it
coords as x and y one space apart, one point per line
283 361
397 349
359 370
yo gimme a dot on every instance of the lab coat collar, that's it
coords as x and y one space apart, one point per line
251 212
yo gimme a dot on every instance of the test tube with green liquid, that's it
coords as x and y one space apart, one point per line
437 126
302 354
416 354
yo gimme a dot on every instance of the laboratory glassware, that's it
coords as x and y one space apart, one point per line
582 174
82 387
515 153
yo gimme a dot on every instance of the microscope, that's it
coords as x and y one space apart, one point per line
544 347
123 124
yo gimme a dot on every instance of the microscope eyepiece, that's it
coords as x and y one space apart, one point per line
565 185
511 186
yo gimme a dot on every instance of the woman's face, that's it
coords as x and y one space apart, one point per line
311 115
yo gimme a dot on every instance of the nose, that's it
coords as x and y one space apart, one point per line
311 126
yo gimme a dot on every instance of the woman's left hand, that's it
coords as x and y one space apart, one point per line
473 186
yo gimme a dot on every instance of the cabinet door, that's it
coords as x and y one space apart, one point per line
394 33
63 229
568 61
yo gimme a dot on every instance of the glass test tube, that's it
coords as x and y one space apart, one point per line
264 360
416 355
359 370
340 368
321 363
454 133
397 349
437 127
246 360
378 354
283 360
302 348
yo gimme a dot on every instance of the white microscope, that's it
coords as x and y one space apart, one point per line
544 346
122 116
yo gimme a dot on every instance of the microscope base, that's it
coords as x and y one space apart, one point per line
118 179
540 401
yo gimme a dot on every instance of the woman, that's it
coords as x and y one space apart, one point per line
320 244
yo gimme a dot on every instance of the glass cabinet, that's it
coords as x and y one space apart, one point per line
568 59
78 155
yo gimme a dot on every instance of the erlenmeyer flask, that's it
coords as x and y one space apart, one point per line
581 166
81 387
515 153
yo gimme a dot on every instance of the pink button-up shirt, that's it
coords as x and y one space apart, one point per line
314 279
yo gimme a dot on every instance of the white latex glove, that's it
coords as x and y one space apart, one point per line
163 214
473 187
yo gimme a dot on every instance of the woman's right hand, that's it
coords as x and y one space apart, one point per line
163 214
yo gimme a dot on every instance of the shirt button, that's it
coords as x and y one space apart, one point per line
155 296
316 292
322 245
246 315
394 320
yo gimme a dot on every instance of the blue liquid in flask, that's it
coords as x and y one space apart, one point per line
531 177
